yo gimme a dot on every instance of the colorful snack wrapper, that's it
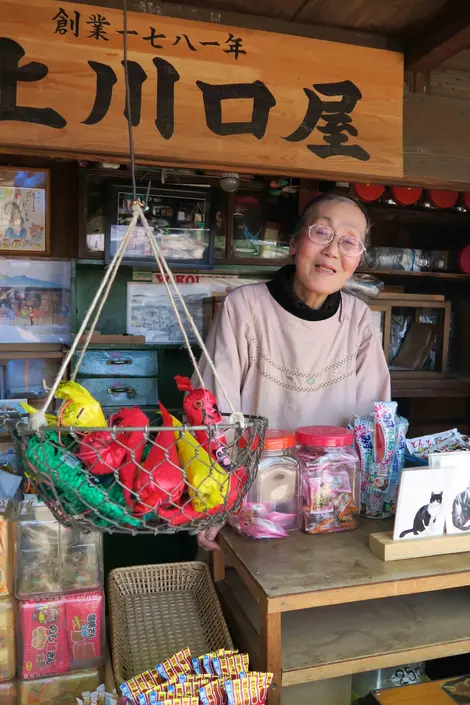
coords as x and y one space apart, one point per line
230 666
253 689
154 698
177 665
84 617
203 664
44 646
213 693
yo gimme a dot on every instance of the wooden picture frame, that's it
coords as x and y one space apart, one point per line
25 204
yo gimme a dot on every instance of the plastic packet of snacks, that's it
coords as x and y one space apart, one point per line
203 664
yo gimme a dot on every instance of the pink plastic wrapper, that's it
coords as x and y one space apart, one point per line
43 644
84 620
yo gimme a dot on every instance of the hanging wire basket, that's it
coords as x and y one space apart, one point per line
126 480
130 476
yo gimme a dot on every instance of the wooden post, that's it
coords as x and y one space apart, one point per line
218 566
271 651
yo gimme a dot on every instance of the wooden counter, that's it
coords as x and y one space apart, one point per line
287 605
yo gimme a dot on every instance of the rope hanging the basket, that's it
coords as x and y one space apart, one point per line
38 420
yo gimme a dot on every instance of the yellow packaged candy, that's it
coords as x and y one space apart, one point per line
208 482
79 407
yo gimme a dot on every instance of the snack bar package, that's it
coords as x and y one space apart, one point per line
203 664
37 551
6 554
81 557
177 665
230 666
8 693
84 618
252 689
43 646
7 638
58 690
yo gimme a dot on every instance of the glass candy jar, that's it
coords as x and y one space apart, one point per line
330 479
270 509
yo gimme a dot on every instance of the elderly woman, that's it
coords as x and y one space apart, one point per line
298 350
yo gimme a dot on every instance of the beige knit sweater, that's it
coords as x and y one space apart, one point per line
295 372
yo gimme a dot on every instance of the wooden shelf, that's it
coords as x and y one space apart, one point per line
445 387
403 273
426 216
337 640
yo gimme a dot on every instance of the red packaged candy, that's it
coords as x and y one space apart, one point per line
200 406
84 621
43 644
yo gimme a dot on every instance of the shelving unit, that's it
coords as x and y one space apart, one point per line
286 602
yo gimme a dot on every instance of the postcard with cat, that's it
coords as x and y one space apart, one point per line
424 501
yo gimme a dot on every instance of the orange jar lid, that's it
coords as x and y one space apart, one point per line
275 439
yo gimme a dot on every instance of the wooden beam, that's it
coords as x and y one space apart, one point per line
248 21
445 36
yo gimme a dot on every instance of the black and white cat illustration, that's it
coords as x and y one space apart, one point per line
425 518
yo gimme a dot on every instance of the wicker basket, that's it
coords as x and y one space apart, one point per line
156 610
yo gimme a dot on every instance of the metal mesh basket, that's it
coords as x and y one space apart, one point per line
140 480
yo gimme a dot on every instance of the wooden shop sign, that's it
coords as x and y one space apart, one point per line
199 93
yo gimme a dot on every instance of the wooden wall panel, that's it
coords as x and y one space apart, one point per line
436 140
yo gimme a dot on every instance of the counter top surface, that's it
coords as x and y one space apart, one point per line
337 568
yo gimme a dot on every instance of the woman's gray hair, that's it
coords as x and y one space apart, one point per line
305 218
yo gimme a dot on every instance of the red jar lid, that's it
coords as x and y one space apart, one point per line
464 260
369 192
324 436
443 199
278 440
406 195
466 198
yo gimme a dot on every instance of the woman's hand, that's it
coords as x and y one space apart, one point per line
206 539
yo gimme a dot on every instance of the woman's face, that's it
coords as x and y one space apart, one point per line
323 269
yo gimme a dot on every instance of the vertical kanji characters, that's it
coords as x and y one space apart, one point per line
167 76
263 101
66 23
336 116
12 74
98 27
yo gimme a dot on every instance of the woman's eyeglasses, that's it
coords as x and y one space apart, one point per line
347 244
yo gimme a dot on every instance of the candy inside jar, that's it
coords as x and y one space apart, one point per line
330 479
270 508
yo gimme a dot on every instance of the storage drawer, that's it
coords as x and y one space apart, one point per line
119 363
126 391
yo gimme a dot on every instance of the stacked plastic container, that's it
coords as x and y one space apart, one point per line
7 609
60 611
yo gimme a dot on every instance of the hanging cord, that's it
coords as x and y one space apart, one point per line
39 419
236 416
128 102
116 262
